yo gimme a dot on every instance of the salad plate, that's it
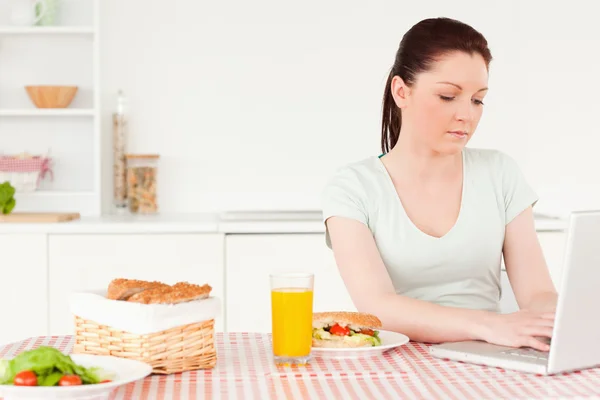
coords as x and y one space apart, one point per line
60 376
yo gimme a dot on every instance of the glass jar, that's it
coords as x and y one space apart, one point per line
119 162
141 183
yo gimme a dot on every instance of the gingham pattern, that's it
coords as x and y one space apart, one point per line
245 371
25 174
15 164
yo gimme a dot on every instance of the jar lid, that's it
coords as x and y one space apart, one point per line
131 156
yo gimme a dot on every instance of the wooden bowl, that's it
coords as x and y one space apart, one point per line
51 96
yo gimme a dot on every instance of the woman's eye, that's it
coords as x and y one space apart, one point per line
450 98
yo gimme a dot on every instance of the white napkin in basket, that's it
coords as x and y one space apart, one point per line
141 318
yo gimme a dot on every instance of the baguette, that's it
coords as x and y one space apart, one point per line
123 289
179 293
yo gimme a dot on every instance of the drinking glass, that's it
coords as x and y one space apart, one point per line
291 317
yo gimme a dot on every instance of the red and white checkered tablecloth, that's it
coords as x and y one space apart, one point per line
245 371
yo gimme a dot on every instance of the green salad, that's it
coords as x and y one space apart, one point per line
47 366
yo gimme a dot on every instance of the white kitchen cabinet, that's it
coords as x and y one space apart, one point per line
91 261
250 258
553 246
23 286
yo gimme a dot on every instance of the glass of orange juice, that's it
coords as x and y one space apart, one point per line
291 317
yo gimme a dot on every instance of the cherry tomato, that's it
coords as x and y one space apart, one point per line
339 330
26 378
69 380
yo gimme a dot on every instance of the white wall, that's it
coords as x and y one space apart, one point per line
254 104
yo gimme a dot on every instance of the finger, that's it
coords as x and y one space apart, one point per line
535 344
542 331
542 322
543 339
547 315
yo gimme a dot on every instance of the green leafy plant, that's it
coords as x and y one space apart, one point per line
7 197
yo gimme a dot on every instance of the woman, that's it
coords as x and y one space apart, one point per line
419 233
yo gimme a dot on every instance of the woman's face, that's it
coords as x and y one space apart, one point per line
443 107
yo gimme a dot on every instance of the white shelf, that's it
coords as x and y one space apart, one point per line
84 186
55 193
48 112
46 30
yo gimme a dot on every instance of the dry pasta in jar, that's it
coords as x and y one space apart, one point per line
142 183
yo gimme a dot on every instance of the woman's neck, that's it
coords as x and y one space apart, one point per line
413 161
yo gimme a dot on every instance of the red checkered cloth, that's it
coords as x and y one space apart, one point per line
245 370
33 164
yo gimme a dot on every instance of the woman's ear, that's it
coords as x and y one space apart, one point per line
400 92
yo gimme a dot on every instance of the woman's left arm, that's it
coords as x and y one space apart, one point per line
526 266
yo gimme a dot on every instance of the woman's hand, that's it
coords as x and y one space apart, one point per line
520 329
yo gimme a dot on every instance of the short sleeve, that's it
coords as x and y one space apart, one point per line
518 194
344 196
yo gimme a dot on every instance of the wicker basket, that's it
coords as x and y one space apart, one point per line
179 349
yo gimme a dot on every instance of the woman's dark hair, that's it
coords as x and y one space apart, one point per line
425 42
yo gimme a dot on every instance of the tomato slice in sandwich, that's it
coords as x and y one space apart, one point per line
339 330
365 331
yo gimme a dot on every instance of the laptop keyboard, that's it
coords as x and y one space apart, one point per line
527 352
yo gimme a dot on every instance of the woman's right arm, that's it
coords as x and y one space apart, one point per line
372 291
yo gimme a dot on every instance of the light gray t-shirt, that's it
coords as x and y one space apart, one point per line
460 269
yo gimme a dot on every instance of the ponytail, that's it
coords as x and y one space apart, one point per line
391 120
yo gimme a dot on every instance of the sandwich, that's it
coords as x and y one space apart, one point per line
345 329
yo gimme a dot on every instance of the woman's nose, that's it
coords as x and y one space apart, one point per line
465 111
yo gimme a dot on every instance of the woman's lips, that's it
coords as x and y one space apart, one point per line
459 134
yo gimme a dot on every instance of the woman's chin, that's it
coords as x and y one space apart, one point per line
451 148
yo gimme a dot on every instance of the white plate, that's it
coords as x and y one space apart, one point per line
389 340
124 371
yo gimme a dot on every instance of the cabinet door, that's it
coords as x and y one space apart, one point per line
90 262
251 258
23 286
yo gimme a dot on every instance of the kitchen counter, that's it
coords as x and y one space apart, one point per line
227 223
177 223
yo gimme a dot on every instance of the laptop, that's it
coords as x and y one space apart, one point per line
575 343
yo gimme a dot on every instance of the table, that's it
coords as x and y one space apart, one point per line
245 371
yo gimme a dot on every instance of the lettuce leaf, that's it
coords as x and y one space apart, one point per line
359 337
321 334
50 379
7 200
353 337
5 372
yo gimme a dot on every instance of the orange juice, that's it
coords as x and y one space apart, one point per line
292 310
